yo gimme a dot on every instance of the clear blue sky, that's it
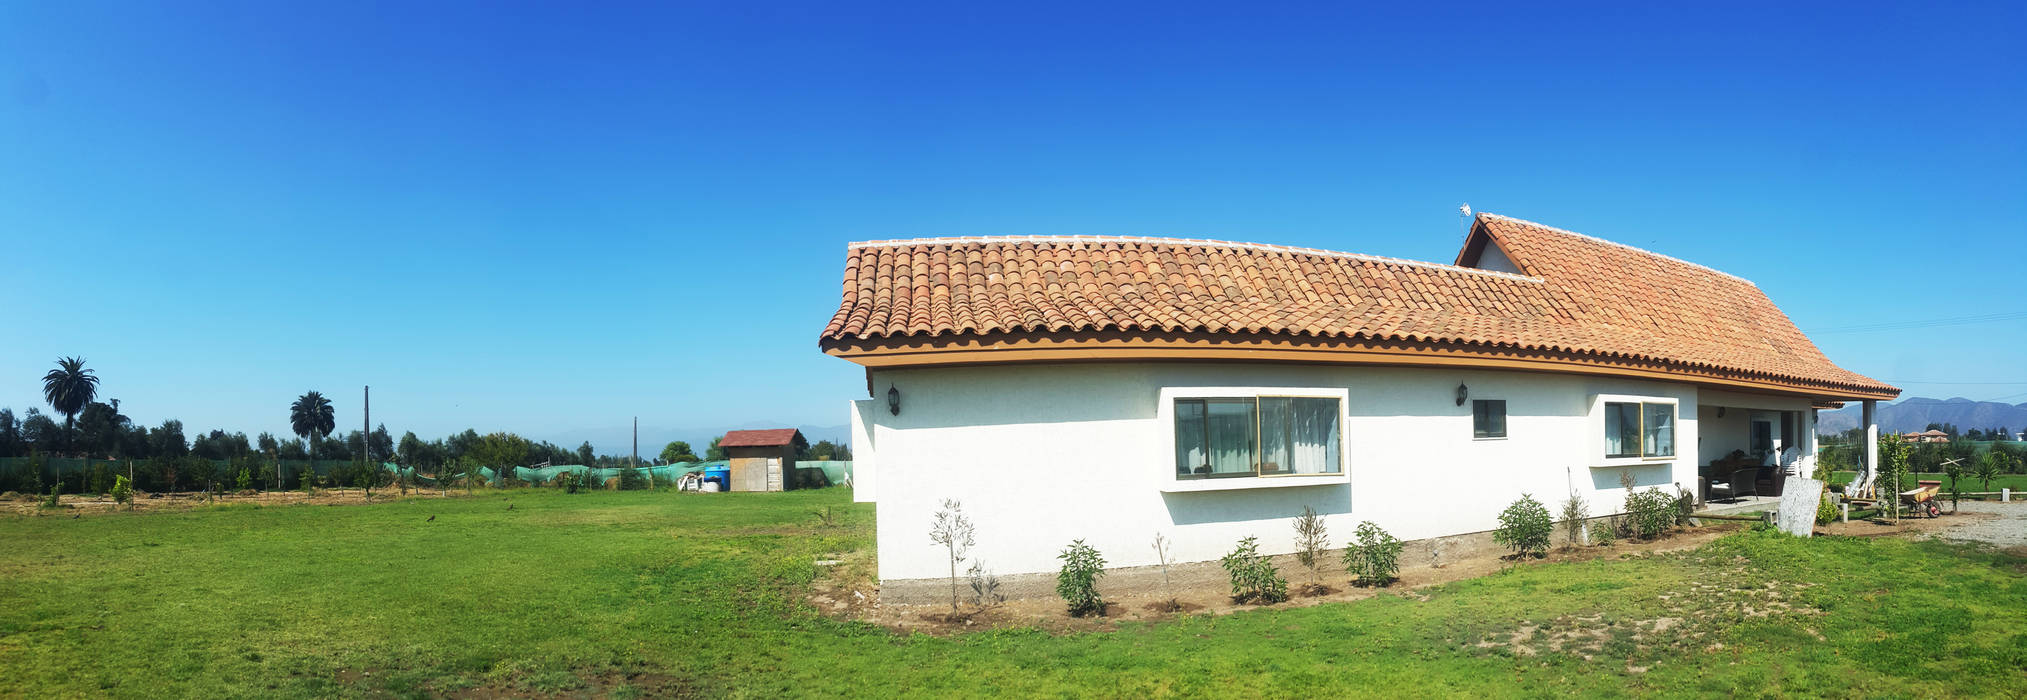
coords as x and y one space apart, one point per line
544 219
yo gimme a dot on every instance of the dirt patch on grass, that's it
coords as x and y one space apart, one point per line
1695 614
1171 607
860 600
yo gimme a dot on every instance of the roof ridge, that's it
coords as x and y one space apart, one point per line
1635 249
1260 247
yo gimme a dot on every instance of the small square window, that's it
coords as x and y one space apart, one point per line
1488 418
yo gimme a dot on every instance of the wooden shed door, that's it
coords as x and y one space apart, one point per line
774 473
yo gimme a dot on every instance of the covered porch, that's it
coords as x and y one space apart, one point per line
1748 445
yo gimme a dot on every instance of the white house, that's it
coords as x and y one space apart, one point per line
1112 388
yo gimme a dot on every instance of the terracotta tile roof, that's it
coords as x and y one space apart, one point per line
758 438
1578 294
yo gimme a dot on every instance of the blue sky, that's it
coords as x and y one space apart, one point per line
549 220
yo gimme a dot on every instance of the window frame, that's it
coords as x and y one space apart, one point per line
1601 432
1165 416
1505 427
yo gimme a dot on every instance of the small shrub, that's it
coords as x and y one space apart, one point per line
984 587
123 491
1685 506
1161 556
1604 532
101 479
1253 576
1524 527
1077 581
1826 509
955 532
1311 539
632 480
1375 558
55 492
1650 513
1574 512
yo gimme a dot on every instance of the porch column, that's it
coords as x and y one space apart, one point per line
1871 419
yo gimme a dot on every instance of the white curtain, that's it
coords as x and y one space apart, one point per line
1659 437
1189 439
1230 426
1300 435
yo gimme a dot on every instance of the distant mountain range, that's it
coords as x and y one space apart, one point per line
619 441
1916 413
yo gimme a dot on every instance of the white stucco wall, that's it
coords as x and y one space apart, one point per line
865 454
1044 454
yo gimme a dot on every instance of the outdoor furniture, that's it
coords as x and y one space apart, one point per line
1768 482
1744 482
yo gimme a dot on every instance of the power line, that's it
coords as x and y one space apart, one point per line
1924 323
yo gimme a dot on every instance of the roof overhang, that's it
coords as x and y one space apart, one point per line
1104 346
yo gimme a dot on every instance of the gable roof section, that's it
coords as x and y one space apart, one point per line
1578 299
758 438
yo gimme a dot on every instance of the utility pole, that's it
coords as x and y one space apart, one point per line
636 442
366 443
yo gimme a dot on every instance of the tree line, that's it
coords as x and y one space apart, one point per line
165 458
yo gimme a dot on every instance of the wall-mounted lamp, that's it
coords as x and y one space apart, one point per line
1463 392
894 400
1720 411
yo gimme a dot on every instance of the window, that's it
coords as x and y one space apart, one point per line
1259 436
1639 429
1488 418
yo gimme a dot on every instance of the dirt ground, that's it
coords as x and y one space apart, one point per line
860 599
87 506
1991 522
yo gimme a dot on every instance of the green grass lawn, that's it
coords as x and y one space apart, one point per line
2017 482
620 593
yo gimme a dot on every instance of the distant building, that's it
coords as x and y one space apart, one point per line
762 460
1925 436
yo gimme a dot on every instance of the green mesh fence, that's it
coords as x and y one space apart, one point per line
544 475
835 472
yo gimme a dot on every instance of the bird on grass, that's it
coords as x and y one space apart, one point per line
510 506
74 516
431 519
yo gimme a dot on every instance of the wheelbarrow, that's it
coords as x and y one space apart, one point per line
1923 498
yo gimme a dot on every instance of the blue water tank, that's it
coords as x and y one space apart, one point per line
722 475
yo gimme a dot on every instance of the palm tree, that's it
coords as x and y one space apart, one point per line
69 388
310 416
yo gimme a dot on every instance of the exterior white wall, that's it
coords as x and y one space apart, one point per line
865 457
1040 455
1494 258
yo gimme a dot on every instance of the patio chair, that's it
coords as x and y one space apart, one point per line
1745 482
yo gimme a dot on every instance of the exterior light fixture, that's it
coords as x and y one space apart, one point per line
1720 411
1463 392
894 400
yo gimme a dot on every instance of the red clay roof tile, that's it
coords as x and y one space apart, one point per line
1577 294
758 438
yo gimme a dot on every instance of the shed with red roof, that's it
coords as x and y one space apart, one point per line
763 460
